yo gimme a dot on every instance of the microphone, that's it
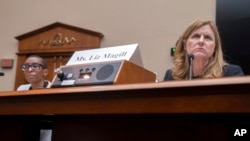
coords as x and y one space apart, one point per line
1 74
190 60
60 74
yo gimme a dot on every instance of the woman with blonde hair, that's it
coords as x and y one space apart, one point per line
199 54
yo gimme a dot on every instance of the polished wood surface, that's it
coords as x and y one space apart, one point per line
192 110
225 95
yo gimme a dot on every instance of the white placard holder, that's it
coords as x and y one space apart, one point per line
129 52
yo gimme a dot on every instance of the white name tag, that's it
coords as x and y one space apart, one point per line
68 82
125 52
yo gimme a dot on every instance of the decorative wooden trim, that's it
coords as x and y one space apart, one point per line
58 24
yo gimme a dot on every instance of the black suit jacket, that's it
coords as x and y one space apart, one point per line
228 70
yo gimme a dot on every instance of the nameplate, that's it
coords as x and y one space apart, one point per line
125 52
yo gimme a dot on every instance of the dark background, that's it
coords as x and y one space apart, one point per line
233 21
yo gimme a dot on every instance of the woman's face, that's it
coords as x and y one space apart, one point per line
201 42
34 76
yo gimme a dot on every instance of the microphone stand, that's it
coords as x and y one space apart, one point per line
190 59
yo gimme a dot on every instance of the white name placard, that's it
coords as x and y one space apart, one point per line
124 52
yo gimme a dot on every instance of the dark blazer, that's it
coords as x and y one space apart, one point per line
228 70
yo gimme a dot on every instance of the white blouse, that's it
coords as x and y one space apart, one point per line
27 86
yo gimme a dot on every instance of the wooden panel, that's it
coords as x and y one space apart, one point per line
132 73
55 43
146 127
55 62
58 37
228 95
190 110
59 40
11 129
20 78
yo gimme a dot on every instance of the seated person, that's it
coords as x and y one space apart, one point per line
35 70
202 40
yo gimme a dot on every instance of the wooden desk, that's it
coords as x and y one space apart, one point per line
186 110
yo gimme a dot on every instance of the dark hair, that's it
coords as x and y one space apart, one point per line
44 63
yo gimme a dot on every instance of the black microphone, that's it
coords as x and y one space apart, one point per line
1 74
60 74
190 60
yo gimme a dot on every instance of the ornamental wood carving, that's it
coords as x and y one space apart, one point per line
56 43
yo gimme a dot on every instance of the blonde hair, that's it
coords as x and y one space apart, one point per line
213 69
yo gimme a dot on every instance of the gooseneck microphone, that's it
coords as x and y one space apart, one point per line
1 74
190 60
